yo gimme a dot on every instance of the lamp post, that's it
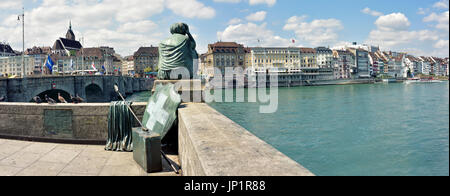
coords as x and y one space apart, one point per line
23 40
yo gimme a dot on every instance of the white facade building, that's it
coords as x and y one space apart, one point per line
12 65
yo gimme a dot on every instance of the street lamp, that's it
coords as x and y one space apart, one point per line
23 40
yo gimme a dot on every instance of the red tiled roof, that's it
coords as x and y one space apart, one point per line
225 45
150 51
308 50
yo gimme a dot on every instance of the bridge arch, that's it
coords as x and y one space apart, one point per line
53 93
94 80
38 90
94 93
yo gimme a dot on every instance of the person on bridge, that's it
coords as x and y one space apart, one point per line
2 98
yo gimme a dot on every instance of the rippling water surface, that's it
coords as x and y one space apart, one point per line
377 129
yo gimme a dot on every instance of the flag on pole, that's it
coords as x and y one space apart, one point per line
49 64
93 66
71 64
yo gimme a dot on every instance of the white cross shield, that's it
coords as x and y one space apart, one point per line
157 112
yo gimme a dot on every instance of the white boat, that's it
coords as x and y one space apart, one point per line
418 80
391 80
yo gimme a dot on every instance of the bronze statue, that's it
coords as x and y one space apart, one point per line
178 51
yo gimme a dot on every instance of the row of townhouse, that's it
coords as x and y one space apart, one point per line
402 65
319 63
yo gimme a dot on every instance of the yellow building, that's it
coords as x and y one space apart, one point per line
222 55
12 65
291 59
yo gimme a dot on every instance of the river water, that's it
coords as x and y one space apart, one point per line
374 129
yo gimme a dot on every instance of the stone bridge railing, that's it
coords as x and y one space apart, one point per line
24 89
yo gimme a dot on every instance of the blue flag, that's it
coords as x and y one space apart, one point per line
49 64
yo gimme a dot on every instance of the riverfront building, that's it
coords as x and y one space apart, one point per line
145 58
221 55
412 65
343 61
325 57
6 50
362 69
286 60
298 63
12 65
40 56
128 66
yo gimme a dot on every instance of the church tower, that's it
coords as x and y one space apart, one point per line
70 35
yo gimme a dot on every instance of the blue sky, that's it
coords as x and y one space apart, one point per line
419 27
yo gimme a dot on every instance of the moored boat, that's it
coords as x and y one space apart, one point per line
422 80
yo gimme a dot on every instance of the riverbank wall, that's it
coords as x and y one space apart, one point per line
283 81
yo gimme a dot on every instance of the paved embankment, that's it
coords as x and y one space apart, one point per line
22 158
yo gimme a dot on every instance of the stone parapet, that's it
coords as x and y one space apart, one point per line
211 144
87 121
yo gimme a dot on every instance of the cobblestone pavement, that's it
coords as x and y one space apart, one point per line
22 158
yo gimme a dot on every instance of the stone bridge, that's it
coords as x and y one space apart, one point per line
91 88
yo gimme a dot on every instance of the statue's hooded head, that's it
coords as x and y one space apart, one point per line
179 28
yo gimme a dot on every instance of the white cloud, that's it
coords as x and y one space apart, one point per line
257 17
422 11
234 21
393 33
371 12
316 32
394 21
144 26
10 4
392 39
250 33
441 44
442 20
270 3
191 9
228 1
443 4
123 24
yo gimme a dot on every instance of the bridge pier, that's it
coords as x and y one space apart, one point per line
4 89
129 85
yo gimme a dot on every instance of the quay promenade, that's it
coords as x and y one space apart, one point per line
23 158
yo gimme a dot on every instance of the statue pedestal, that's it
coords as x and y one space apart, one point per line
147 150
191 91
